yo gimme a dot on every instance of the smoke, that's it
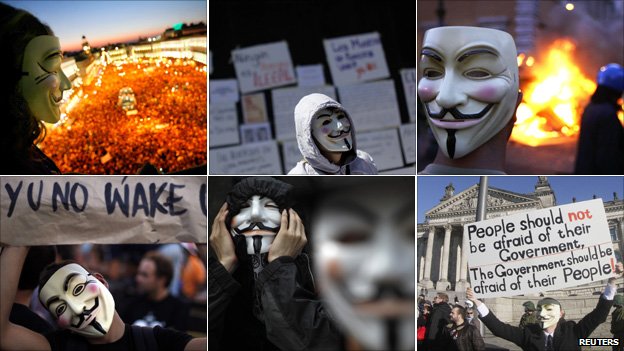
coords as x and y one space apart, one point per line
598 42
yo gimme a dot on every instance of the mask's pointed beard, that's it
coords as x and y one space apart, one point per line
97 326
347 143
450 142
257 243
392 325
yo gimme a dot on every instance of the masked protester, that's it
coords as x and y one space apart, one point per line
260 286
84 310
617 322
601 142
553 333
363 241
32 90
469 89
326 139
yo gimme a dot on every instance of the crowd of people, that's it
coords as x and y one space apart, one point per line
168 131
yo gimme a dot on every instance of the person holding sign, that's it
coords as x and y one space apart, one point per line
469 89
326 139
32 90
553 332
261 293
84 310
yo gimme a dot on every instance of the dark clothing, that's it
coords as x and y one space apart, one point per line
168 313
279 311
617 327
24 316
464 337
438 319
566 333
167 340
601 141
40 164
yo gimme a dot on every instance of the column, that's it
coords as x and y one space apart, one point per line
428 284
463 272
443 283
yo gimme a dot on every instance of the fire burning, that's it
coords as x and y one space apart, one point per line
554 99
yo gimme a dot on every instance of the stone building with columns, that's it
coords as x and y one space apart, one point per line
441 263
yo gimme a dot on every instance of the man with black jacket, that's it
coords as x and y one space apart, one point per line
438 319
554 332
261 292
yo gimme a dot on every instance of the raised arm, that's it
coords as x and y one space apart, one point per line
12 336
498 328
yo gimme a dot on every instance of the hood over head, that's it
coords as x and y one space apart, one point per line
306 110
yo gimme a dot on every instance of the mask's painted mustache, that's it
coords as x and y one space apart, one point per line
342 132
458 115
85 314
258 225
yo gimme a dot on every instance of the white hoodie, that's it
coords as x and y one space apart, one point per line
355 162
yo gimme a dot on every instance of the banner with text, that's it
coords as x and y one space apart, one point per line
264 66
538 251
356 58
102 210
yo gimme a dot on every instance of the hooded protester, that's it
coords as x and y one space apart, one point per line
261 293
326 139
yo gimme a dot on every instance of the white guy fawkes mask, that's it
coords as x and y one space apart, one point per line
43 80
364 247
78 301
332 130
549 315
469 85
259 221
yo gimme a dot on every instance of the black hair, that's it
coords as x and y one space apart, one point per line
20 128
50 269
462 311
37 259
163 266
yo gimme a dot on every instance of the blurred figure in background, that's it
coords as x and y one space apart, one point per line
193 275
601 142
529 316
617 321
363 240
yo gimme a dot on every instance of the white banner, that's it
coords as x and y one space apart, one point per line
264 66
102 210
356 58
538 251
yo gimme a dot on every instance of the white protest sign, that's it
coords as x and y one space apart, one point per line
406 170
537 251
255 132
310 75
291 154
383 146
284 101
371 105
408 77
408 141
223 91
223 125
256 158
263 66
356 58
102 210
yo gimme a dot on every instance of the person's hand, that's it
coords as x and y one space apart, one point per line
221 241
471 297
291 237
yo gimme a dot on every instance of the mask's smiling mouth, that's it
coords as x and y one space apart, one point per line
340 135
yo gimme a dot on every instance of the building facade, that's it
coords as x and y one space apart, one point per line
441 263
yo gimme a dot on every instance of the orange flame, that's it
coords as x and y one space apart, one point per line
553 102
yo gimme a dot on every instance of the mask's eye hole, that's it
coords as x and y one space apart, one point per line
478 74
432 73
325 122
78 289
271 205
353 237
60 309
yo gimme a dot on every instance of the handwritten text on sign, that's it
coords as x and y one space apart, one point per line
542 250
104 210
263 66
356 58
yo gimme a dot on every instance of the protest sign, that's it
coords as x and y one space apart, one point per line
310 75
537 251
102 210
371 105
263 66
256 158
408 142
291 154
223 125
223 91
383 146
408 77
356 58
255 132
254 108
284 101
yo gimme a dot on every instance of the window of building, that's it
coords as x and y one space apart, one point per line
613 232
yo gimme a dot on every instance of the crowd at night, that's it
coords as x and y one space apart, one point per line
168 131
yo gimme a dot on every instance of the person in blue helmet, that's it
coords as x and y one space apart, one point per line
601 142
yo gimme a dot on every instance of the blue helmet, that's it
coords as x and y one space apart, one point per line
612 76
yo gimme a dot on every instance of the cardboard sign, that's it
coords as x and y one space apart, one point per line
256 158
356 58
408 142
284 102
310 75
223 125
223 91
263 66
408 77
383 146
102 210
371 105
538 251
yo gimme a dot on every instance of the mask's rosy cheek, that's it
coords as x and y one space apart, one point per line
63 321
93 288
51 82
491 92
325 130
427 91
